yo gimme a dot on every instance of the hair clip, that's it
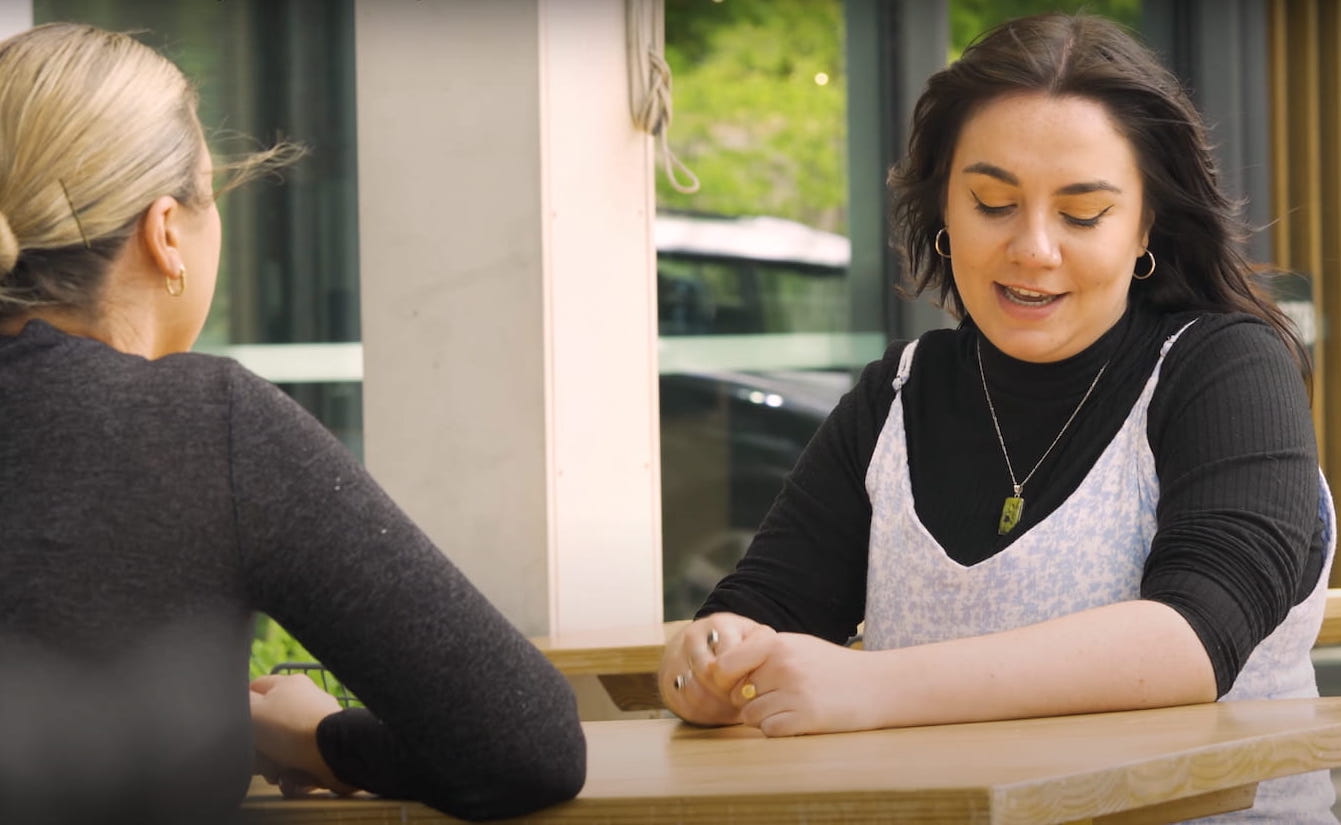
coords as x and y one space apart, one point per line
74 212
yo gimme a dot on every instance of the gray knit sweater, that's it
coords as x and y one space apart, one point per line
149 507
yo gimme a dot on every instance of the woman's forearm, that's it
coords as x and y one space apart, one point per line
1128 655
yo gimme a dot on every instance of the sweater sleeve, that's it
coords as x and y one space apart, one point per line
805 570
1238 537
463 713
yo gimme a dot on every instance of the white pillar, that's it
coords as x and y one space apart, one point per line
15 16
508 300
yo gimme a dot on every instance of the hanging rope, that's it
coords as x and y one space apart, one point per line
650 84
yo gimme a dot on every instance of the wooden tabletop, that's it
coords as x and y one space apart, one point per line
1151 766
1330 632
620 650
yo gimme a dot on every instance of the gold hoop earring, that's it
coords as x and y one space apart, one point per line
936 244
176 286
1151 256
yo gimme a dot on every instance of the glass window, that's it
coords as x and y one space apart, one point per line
287 299
757 342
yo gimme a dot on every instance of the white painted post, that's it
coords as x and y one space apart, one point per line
508 299
15 16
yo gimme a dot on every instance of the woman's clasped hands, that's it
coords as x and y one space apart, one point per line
726 669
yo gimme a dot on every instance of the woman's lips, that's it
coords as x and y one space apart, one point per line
1026 297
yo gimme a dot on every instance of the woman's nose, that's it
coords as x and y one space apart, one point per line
1034 244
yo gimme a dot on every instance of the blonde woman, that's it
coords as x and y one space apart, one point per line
150 494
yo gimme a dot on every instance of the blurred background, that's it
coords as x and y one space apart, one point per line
775 279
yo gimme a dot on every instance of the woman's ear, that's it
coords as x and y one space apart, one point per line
159 237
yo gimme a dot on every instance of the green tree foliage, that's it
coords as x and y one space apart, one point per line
272 645
750 118
759 107
970 18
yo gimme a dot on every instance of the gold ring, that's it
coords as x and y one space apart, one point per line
748 691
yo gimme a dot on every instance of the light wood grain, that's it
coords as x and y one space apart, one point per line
1330 634
633 691
612 651
1116 769
1215 802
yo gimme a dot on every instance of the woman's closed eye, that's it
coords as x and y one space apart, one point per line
997 210
990 210
1085 223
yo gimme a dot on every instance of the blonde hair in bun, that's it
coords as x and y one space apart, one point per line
94 126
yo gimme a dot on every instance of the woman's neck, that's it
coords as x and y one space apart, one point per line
112 329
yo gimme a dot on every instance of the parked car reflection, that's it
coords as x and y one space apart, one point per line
737 289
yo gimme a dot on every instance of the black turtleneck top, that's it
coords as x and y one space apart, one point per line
1239 540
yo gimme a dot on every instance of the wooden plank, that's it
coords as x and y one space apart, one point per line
1326 295
613 651
1149 766
1194 807
633 691
1330 634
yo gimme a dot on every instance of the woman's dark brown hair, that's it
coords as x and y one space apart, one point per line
1196 234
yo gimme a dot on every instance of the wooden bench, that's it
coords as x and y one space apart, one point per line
626 659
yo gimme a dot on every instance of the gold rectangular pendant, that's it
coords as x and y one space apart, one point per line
1010 515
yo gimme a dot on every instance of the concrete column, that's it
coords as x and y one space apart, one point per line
15 16
508 299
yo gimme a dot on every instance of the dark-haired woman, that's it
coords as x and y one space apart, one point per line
1099 492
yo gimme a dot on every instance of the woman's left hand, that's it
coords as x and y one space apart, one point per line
797 684
285 712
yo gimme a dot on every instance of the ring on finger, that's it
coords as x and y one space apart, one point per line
748 691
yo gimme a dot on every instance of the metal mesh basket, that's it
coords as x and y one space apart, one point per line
324 679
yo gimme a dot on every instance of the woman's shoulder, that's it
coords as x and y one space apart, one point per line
876 382
1216 335
252 401
205 373
932 345
102 369
1226 355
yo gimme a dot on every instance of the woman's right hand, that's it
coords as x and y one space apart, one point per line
692 682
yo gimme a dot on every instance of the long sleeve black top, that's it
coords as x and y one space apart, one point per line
1239 539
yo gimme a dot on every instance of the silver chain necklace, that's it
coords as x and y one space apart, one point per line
1013 508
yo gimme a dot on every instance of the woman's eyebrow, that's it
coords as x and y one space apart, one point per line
1087 187
991 171
1082 188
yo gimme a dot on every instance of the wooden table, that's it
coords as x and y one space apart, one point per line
1142 767
624 659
